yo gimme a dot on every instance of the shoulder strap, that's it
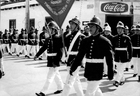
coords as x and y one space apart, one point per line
73 41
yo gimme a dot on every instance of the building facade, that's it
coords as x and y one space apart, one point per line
128 11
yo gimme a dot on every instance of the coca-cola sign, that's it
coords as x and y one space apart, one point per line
114 7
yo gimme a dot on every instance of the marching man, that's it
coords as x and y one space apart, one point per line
107 34
14 41
72 42
53 44
135 38
94 48
123 53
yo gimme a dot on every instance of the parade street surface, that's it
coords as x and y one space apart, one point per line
25 77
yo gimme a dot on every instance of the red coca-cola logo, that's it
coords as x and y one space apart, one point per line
114 7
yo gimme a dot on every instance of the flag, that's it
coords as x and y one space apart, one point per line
58 9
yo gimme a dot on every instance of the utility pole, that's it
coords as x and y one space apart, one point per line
27 14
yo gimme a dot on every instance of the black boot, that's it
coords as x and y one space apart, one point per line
58 91
122 82
40 94
138 78
134 75
0 74
116 83
126 69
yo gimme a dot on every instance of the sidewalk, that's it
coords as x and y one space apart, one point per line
25 77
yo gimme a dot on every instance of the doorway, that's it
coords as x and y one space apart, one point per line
114 19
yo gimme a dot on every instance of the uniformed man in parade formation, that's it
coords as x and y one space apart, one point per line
1 41
22 42
42 37
127 32
123 53
53 45
6 42
72 43
107 33
135 38
86 31
94 48
14 41
1 64
32 42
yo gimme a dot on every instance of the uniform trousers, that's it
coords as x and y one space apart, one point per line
53 74
93 88
136 62
2 48
128 64
14 47
32 49
73 81
120 71
22 49
1 64
105 67
6 46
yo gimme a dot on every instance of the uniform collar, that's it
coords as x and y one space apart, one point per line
95 37
74 33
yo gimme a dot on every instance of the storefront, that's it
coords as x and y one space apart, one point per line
113 11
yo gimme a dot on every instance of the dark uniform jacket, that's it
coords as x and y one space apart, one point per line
96 47
33 38
122 48
23 39
1 38
42 38
68 39
110 37
53 45
6 38
14 38
136 45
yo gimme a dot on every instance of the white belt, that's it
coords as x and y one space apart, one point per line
121 49
51 54
72 53
94 60
136 47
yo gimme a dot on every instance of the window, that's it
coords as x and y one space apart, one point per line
12 24
32 23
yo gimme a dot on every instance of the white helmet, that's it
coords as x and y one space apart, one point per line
107 28
120 25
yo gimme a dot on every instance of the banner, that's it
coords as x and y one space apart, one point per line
58 9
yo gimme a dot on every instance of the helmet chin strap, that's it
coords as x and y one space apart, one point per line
74 29
96 32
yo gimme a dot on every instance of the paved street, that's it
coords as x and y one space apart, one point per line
25 77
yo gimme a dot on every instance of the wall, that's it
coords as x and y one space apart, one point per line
84 10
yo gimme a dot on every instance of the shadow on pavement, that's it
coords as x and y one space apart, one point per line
37 63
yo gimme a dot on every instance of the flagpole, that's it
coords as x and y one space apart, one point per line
27 15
